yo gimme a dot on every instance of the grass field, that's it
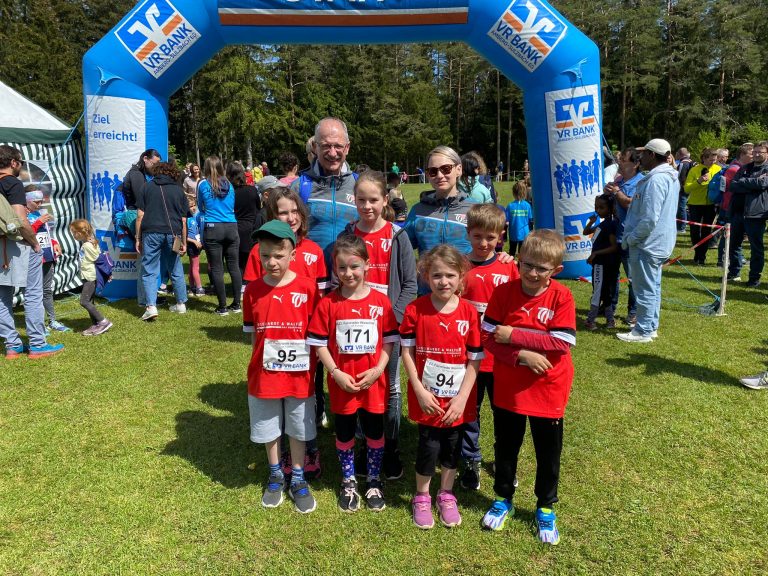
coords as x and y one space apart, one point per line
129 454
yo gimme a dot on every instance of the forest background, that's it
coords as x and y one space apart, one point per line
692 71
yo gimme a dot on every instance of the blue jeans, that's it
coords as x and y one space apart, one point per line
34 313
646 277
682 212
157 254
755 229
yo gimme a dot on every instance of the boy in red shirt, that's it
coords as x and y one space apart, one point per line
529 327
485 225
281 395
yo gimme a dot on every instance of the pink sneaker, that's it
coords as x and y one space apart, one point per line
448 509
422 511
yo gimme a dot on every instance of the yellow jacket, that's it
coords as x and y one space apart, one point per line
697 193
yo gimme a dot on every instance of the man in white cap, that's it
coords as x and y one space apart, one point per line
649 235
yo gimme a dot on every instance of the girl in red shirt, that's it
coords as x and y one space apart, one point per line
391 271
353 330
441 351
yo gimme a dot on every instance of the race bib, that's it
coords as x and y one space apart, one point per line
379 287
443 380
286 355
357 336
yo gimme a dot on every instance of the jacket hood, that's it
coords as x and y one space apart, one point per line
430 198
163 180
664 169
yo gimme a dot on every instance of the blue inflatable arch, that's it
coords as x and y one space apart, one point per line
129 75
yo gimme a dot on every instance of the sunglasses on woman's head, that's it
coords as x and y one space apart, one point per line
445 169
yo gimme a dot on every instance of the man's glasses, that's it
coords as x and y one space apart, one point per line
445 169
540 270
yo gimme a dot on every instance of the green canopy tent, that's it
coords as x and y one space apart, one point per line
53 161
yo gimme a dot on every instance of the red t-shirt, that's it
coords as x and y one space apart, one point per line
282 363
481 281
379 245
517 388
309 263
444 344
354 332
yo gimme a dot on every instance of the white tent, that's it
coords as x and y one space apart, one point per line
53 161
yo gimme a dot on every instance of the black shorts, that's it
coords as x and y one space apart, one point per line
437 444
193 250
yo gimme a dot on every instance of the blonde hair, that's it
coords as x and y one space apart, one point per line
487 217
83 228
450 257
447 152
544 246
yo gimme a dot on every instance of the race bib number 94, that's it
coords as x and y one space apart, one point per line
443 380
357 336
286 355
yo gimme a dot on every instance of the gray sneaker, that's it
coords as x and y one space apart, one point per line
149 314
756 382
302 497
273 493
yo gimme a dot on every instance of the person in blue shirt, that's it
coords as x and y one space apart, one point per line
623 189
650 233
519 217
216 201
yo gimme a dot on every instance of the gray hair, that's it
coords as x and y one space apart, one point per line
331 119
446 151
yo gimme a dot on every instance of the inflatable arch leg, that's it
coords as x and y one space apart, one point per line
130 74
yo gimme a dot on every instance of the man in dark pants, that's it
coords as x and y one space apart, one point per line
750 203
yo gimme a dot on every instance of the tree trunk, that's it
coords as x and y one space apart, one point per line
498 117
458 108
249 152
509 138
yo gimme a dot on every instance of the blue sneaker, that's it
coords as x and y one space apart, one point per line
13 352
497 514
58 326
46 350
546 526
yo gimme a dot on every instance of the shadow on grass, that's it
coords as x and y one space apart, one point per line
218 446
228 333
658 365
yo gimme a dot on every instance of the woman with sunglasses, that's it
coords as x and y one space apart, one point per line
440 216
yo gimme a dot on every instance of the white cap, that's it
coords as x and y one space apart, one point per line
658 146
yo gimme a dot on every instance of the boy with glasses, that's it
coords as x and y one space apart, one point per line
529 327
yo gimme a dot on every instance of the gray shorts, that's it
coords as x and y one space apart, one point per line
271 417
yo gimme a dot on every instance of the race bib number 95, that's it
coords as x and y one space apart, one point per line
286 355
443 380
357 336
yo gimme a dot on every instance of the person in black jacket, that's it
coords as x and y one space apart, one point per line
247 206
162 218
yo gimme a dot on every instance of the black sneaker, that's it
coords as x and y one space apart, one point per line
361 462
221 311
349 499
374 497
234 309
753 284
470 478
302 497
391 466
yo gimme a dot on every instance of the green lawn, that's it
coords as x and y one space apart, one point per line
129 454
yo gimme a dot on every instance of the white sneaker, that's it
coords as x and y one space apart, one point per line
179 308
756 382
149 314
633 337
654 334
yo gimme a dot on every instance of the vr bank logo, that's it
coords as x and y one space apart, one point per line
529 31
156 34
575 116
